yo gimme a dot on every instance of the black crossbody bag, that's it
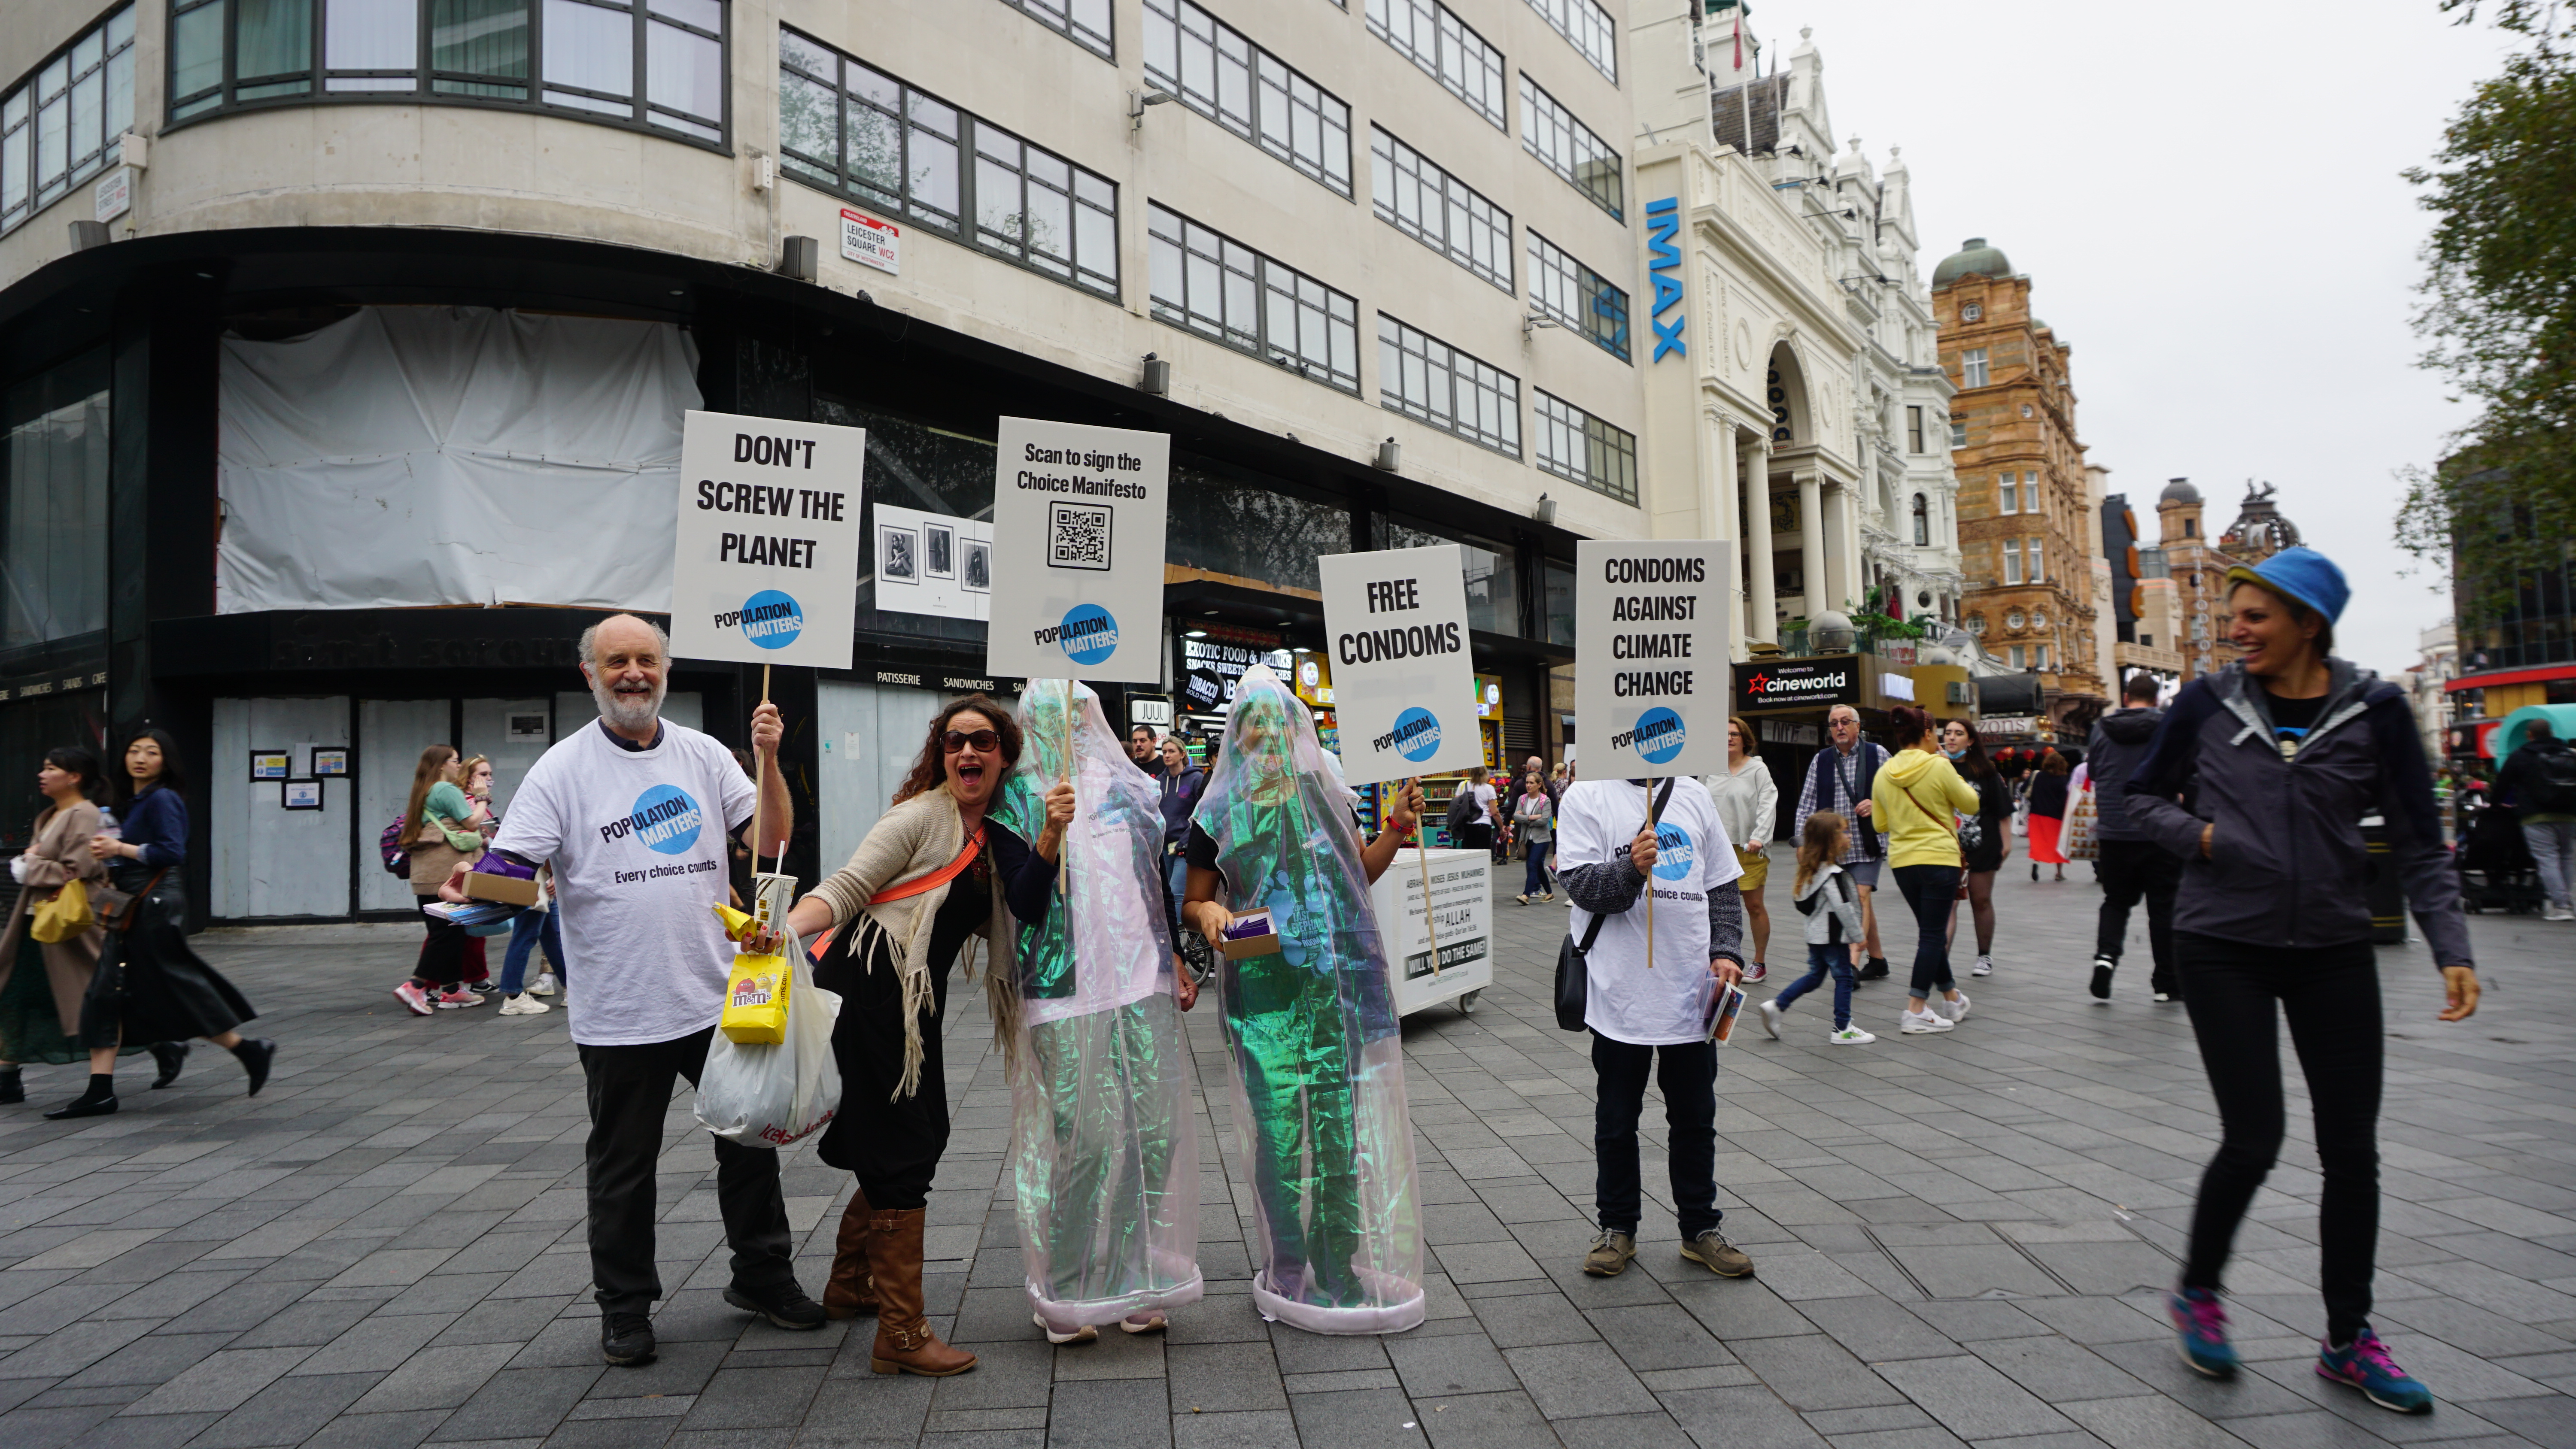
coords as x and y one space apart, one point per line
1573 978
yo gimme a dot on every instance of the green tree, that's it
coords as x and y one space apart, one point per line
2500 313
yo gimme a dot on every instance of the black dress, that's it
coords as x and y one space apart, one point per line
1994 814
150 986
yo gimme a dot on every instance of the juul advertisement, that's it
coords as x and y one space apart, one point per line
764 567
1404 684
1650 627
1078 517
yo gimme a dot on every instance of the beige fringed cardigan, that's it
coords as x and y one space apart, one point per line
909 841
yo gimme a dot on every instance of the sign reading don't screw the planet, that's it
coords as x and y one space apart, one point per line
1650 627
766 563
1078 515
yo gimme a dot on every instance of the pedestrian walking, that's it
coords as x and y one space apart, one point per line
1178 792
2539 780
439 835
150 985
1472 811
1841 779
925 888
1827 898
530 930
1647 1004
621 811
1918 799
1143 749
2284 752
2047 799
474 777
1981 850
42 981
1748 805
1534 818
2131 865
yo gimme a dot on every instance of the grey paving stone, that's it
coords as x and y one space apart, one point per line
1751 1417
2149 1421
1224 1378
289 1411
1368 1419
1263 1429
1453 1364
1571 1380
520 1404
1971 1398
2056 1370
221 1381
1622 1431
1814 1372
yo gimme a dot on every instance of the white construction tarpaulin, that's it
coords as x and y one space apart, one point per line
413 456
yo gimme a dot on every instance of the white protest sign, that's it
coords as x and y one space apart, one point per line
766 567
1404 684
1651 691
1078 516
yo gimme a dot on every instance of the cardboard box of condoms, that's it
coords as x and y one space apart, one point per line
509 890
1252 934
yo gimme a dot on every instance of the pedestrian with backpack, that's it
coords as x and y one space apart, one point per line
2539 781
438 832
1825 896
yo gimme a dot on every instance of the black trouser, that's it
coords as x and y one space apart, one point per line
442 955
1479 836
2331 996
1688 1075
1930 890
630 1093
2130 869
892 1147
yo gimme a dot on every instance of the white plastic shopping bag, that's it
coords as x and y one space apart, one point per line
773 1095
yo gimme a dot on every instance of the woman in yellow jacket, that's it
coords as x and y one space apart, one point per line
1915 803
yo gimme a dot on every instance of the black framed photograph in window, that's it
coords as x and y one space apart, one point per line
939 550
979 567
898 554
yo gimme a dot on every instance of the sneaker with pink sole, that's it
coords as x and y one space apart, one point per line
455 997
410 994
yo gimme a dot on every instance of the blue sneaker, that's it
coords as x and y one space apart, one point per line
2364 1364
2203 1326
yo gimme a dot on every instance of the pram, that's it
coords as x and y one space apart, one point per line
2496 870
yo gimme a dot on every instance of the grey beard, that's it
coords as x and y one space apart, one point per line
621 714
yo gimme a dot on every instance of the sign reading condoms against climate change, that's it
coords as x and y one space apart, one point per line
1650 626
765 570
1404 685
1078 552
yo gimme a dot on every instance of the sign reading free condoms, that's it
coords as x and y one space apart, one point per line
765 565
1078 516
1651 673
1404 679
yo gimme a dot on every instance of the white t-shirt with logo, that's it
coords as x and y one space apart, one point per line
1625 1001
637 841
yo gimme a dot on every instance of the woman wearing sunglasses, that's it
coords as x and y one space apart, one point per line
927 882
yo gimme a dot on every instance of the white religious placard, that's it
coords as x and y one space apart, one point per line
1404 683
1078 515
933 563
1651 689
766 566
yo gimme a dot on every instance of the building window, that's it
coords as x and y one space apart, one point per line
860 133
1576 295
659 64
1229 293
1550 132
1972 313
54 458
1440 211
1580 448
1913 429
1247 90
2146 641
2012 567
1922 521
59 128
2039 656
2191 528
1588 28
1084 22
1972 367
1958 433
2007 494
1428 380
1433 37
2013 656
2037 574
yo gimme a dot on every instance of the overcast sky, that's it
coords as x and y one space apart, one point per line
2209 208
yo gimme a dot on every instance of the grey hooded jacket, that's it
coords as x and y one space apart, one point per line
2119 741
2287 864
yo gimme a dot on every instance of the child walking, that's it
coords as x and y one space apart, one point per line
1824 895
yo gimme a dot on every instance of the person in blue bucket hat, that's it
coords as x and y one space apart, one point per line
2257 779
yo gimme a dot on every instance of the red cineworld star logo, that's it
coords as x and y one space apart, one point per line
1758 683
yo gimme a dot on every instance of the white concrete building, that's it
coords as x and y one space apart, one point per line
1376 265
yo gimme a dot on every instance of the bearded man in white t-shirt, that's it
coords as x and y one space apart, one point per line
1609 856
633 814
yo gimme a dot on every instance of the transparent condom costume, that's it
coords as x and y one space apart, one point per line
1318 1082
1104 1155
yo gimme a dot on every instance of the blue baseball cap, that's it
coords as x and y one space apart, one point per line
2302 574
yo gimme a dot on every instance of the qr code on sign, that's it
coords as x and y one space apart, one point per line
1078 535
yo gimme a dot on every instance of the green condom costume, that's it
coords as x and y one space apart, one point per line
1318 1082
1104 1160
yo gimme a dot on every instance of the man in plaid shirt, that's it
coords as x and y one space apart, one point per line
1838 779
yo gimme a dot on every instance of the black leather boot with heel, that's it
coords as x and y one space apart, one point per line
98 1101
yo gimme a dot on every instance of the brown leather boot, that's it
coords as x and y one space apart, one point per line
852 1291
905 1343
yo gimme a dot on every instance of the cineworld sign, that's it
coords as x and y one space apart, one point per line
1797 684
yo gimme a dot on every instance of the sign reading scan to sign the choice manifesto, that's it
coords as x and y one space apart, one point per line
1650 627
1404 686
766 564
1078 517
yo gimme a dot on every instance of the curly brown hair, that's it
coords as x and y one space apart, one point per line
929 772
